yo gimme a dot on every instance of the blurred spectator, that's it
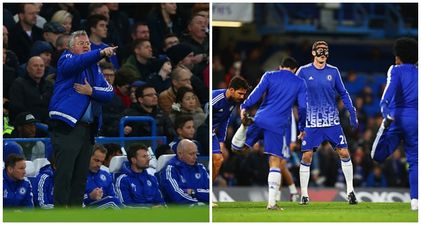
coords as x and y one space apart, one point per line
184 126
64 18
44 50
197 39
160 79
25 33
32 92
376 178
251 68
40 20
111 111
163 150
98 27
112 150
51 31
182 55
9 75
25 128
186 104
140 60
395 170
120 21
130 186
180 77
17 190
139 31
124 77
169 41
202 136
9 57
49 9
148 106
354 84
164 20
112 37
61 45
136 84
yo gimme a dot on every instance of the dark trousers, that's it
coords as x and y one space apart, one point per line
72 149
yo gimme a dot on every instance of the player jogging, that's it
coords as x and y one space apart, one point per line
322 123
399 107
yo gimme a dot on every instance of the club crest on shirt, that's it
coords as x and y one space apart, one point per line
197 175
103 177
149 183
5 194
22 191
133 187
304 143
329 77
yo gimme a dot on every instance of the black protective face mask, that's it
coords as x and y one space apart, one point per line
322 51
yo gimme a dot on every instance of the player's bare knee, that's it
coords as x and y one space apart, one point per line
343 153
217 160
307 157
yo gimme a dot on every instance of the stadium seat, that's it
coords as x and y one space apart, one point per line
30 169
39 163
163 160
116 163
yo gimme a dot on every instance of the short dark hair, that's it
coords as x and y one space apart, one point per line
100 148
180 120
139 90
138 42
238 82
94 6
104 65
124 76
112 148
132 151
12 159
289 62
93 20
181 92
406 49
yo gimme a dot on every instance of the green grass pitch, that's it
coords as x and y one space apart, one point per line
170 214
314 212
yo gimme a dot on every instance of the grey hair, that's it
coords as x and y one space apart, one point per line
73 36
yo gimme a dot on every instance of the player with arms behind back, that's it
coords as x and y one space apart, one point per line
399 107
322 123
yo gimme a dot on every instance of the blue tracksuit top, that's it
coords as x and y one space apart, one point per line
322 86
401 92
283 88
101 179
138 189
177 176
16 193
44 188
221 111
66 104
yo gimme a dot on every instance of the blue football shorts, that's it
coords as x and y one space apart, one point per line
216 149
315 136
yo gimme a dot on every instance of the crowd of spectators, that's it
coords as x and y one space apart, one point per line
160 50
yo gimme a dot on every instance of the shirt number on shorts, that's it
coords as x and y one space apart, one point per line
343 140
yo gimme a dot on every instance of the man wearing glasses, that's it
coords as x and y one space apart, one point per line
75 111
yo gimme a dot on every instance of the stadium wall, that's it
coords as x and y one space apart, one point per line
257 194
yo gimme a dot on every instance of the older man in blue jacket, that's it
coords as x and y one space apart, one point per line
183 180
75 111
